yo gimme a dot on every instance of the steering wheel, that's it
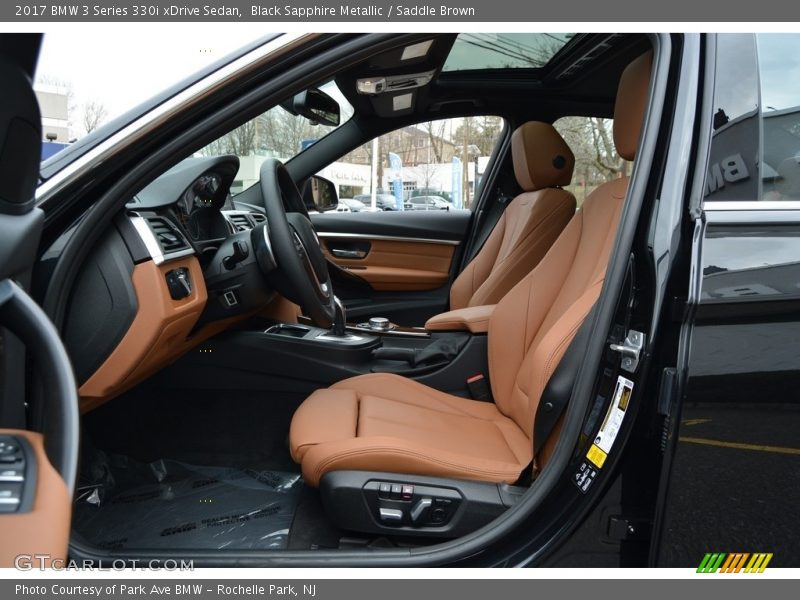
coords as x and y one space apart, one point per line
299 270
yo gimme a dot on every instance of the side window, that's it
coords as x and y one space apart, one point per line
591 140
755 149
779 66
435 165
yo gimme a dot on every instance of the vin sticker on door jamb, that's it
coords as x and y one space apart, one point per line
612 422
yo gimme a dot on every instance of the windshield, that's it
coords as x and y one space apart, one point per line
276 133
81 87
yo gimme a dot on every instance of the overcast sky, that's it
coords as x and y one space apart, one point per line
122 67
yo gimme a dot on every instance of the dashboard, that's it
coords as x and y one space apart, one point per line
189 203
177 267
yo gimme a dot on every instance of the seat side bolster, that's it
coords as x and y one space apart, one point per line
325 416
479 268
394 455
547 214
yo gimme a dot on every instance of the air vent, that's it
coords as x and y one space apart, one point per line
258 217
166 235
240 222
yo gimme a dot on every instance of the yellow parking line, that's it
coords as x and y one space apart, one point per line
739 446
690 422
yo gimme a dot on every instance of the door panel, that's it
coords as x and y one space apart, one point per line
41 524
35 502
397 265
731 485
737 445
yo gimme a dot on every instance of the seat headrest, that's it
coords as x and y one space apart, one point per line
20 140
542 158
630 105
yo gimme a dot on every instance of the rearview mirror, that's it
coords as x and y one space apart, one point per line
316 106
320 194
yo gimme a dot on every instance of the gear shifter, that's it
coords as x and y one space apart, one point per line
339 319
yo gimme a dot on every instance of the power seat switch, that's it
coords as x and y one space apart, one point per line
179 284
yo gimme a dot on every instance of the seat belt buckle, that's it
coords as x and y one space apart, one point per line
479 388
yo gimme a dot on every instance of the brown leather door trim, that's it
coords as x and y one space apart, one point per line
397 265
45 529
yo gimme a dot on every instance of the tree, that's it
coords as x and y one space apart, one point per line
596 159
94 114
435 131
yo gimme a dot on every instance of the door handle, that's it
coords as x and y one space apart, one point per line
338 253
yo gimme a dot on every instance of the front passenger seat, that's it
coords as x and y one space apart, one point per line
529 225
388 423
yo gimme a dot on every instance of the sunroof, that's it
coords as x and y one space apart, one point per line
473 51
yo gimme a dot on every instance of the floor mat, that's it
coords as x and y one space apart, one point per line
123 504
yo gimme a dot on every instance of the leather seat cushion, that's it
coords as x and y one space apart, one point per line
383 422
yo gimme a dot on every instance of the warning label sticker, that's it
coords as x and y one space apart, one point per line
585 476
612 422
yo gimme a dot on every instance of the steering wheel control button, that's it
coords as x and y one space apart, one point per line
391 516
419 510
380 324
179 283
384 491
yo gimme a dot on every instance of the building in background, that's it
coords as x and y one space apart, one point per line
54 106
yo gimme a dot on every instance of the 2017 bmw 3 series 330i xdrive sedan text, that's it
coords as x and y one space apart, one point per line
409 300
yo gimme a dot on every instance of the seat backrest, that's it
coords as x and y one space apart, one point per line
530 223
534 323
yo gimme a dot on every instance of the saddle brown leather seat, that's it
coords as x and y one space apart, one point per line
530 223
388 423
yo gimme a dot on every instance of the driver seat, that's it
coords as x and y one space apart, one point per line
388 423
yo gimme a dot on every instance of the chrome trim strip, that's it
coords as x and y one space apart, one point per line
151 243
388 238
752 205
323 287
194 94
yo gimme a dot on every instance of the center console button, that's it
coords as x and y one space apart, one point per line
380 324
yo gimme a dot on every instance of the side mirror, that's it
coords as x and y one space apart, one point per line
316 106
320 194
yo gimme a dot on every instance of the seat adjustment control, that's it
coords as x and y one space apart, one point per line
391 516
420 508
